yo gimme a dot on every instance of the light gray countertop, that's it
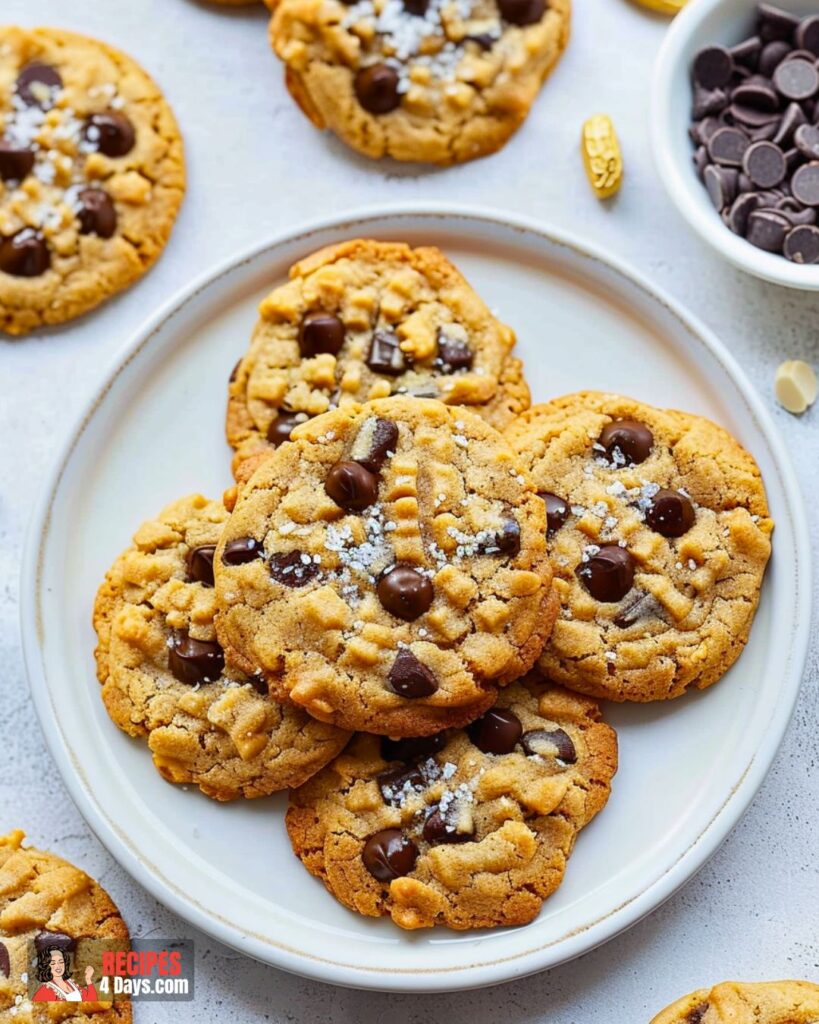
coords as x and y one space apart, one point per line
256 167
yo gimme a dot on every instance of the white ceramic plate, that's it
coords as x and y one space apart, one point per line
153 432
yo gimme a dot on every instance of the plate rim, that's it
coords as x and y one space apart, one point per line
469 975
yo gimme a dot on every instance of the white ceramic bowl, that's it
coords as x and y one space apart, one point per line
702 22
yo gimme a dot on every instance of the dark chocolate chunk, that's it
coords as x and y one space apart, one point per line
385 355
259 684
16 161
382 442
671 513
37 83
410 678
437 830
320 332
416 7
412 748
200 564
522 12
626 442
557 511
550 743
697 1015
376 88
453 353
54 940
194 661
110 133
24 254
283 426
394 783
496 732
242 550
389 854
352 486
5 961
405 592
608 574
292 568
97 214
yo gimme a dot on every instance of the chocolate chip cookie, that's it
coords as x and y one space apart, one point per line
430 80
659 535
165 677
364 320
47 903
91 175
468 828
387 569
733 1002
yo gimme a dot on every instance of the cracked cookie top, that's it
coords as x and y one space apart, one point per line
364 320
468 828
659 536
733 1002
439 81
45 903
91 175
387 569
165 677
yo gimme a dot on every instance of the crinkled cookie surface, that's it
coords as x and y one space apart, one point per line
733 1002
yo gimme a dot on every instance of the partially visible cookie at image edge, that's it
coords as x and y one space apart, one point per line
736 1002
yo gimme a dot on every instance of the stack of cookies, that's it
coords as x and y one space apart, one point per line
404 607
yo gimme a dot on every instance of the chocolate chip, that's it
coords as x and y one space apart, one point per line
292 568
767 230
522 12
557 511
385 355
16 161
764 163
381 441
713 67
773 23
497 732
5 961
796 213
412 749
671 513
757 94
409 677
792 119
806 139
54 940
802 244
772 56
200 564
796 80
743 206
727 146
700 159
416 7
626 442
507 540
242 550
234 373
764 134
708 101
110 133
750 118
283 426
607 575
722 184
484 39
640 606
747 52
805 184
194 661
97 214
807 35
320 332
352 486
24 254
389 854
437 831
549 743
405 592
259 684
395 782
37 83
701 131
453 353
376 89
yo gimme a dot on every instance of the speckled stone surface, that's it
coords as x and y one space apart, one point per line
751 912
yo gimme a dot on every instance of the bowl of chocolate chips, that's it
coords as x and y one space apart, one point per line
735 132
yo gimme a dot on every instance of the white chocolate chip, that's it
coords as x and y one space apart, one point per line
795 385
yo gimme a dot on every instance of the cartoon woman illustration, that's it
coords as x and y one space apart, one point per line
54 971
